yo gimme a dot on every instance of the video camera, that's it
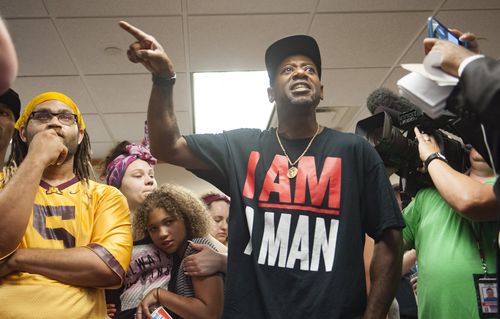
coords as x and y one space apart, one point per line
390 131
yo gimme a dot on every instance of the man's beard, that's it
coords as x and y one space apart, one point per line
302 101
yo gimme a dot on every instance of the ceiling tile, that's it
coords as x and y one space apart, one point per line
379 38
88 38
95 128
245 6
130 93
467 4
99 151
39 48
131 126
482 23
236 43
331 116
126 126
379 5
72 86
393 78
22 9
415 53
350 87
112 8
485 24
349 117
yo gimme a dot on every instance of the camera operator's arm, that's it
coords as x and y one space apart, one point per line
467 195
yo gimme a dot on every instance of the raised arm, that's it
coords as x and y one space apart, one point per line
167 144
8 59
16 199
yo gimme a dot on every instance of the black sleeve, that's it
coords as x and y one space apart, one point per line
479 90
225 153
211 149
476 99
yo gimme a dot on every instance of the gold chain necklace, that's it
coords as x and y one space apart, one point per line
292 171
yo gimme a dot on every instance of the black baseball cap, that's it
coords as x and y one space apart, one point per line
292 45
11 100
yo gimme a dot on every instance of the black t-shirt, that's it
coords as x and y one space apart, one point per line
296 245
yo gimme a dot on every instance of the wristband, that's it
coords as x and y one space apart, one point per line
158 295
432 157
164 81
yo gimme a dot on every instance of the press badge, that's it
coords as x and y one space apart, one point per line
487 295
160 313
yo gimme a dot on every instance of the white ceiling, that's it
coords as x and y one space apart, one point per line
71 46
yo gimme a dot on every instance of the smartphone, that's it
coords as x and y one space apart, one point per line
436 29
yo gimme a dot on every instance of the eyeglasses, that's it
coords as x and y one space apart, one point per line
46 116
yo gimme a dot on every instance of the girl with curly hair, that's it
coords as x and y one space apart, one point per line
172 217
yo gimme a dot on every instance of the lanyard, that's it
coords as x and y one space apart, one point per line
480 249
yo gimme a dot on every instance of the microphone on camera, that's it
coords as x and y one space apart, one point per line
404 114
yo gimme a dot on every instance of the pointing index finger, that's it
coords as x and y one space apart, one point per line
135 32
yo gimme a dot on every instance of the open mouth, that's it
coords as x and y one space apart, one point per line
300 87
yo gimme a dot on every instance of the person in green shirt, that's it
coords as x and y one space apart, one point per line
448 226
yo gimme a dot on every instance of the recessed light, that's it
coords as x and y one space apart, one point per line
112 51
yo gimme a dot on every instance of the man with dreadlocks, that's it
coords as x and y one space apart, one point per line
63 237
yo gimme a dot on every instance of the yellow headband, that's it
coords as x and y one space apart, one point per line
47 96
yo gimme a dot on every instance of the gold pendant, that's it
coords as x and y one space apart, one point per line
292 172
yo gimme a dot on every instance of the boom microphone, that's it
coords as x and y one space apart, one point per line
402 112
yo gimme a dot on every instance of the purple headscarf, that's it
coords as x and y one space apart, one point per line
116 169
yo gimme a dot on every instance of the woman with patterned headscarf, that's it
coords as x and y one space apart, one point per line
130 168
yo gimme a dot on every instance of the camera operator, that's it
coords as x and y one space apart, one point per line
451 248
466 194
477 94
